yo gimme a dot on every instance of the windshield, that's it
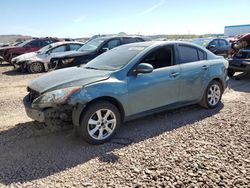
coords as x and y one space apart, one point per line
23 43
115 59
92 45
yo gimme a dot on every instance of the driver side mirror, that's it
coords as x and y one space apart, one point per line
144 68
104 50
211 46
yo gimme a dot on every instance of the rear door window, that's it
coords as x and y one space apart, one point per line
223 43
188 54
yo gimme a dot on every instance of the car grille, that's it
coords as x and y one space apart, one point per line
32 94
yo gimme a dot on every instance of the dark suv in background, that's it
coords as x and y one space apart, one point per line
32 45
240 62
219 47
90 50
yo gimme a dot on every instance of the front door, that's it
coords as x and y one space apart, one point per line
157 89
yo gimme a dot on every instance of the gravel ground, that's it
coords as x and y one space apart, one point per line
188 147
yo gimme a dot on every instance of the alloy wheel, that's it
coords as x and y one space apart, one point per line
101 124
36 67
214 95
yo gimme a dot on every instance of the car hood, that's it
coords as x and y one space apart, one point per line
8 48
69 77
72 54
25 57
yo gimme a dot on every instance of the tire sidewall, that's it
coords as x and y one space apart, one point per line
214 82
32 64
88 112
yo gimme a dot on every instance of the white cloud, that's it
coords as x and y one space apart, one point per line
79 19
152 8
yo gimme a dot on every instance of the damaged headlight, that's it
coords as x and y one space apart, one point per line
67 61
54 97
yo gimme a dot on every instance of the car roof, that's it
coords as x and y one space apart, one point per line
64 42
159 43
115 36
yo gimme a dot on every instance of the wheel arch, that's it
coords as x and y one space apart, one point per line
79 108
220 81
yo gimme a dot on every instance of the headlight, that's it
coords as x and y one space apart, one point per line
67 61
54 97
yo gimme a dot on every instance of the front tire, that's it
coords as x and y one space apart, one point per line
35 67
212 95
99 122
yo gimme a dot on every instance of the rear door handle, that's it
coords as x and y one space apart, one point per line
204 67
174 74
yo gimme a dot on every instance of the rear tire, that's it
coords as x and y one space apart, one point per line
99 122
230 72
35 67
212 96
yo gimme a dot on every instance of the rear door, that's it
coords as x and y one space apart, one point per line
194 71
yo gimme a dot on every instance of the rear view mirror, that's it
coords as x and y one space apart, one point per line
104 50
144 68
211 46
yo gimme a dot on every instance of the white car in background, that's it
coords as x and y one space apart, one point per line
36 62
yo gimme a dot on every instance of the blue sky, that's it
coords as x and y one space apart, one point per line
84 18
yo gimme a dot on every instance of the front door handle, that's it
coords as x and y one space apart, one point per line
204 67
174 74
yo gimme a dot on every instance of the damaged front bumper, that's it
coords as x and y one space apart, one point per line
38 115
60 115
19 66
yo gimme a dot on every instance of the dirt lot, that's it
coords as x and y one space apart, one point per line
189 147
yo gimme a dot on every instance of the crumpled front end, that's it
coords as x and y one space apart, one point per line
54 115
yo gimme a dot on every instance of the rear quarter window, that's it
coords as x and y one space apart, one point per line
202 55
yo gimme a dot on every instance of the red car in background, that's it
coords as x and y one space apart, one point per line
7 53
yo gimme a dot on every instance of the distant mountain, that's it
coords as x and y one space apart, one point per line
13 38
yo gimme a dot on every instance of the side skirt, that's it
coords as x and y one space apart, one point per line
160 109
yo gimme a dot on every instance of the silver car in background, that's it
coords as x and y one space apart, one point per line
36 62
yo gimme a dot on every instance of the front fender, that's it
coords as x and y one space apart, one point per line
116 89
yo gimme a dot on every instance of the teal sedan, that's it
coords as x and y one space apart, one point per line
125 83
